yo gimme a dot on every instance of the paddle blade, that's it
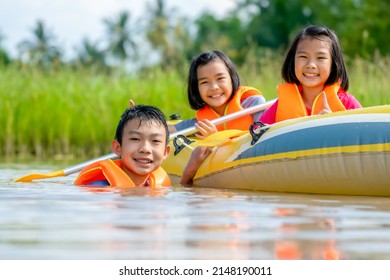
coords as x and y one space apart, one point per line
37 176
220 137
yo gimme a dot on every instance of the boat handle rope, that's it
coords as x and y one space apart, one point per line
184 142
256 132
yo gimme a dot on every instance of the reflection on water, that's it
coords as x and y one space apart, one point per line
51 219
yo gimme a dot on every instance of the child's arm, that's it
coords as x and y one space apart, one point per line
269 116
199 154
171 128
252 101
349 101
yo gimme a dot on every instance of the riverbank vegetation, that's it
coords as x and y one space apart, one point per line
56 108
68 112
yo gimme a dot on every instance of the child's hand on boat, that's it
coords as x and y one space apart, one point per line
198 155
205 127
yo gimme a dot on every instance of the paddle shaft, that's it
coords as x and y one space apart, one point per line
185 132
223 119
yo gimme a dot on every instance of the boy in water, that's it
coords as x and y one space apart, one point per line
141 142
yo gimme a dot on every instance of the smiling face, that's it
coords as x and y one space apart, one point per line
313 62
215 84
143 149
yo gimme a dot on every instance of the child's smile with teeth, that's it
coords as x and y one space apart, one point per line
215 85
313 62
146 161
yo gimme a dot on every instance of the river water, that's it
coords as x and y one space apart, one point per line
52 219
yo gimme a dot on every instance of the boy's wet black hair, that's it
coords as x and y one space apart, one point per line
203 58
142 113
338 70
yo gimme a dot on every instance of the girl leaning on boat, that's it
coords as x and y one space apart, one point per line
214 90
316 83
316 78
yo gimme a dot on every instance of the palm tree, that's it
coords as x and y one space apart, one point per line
91 56
4 57
159 25
121 42
166 36
41 50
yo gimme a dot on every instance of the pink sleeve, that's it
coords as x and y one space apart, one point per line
349 101
269 116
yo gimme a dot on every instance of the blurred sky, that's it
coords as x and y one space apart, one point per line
72 20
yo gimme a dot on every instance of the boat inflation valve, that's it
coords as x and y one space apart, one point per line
180 142
257 129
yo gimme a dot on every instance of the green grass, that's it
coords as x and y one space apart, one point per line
75 113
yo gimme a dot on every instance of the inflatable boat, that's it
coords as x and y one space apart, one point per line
342 153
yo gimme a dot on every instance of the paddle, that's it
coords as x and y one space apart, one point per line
232 116
78 167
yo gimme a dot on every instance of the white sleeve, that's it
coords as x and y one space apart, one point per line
253 101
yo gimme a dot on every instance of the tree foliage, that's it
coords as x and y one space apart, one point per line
41 50
4 57
252 27
120 34
361 25
227 34
90 55
166 34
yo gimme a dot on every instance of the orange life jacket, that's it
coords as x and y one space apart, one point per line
234 105
291 105
112 172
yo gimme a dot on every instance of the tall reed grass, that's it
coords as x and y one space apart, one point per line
75 112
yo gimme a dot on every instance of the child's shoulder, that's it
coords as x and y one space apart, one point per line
348 100
252 101
249 89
